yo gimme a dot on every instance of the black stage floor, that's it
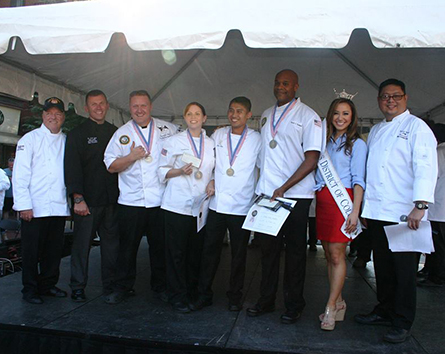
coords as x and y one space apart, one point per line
142 324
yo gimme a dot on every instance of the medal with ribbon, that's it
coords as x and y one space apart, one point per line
274 126
234 154
146 143
199 154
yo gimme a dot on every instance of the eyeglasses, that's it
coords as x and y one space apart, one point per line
394 97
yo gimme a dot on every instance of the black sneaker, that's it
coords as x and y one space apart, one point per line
78 295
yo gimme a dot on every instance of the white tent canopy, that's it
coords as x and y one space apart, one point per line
224 49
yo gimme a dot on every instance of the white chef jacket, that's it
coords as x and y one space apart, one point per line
38 182
436 211
181 190
300 131
234 195
139 184
401 167
4 186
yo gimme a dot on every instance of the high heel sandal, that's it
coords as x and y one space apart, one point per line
341 311
328 323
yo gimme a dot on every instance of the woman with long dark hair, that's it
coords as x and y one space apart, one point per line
347 152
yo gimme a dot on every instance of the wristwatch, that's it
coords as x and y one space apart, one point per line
78 200
421 205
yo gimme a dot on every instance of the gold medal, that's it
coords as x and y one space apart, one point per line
230 172
273 144
148 159
198 174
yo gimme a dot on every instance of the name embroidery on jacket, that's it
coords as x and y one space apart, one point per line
403 134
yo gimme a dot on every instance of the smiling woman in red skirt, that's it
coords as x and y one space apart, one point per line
348 154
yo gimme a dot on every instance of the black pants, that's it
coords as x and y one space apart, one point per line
312 239
435 262
134 222
395 274
363 244
293 234
101 220
217 225
42 246
183 256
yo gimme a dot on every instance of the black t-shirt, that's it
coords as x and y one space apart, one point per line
85 171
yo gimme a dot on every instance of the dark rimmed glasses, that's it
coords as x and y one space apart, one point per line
397 97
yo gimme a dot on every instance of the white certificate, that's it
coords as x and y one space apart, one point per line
402 239
186 158
200 210
266 221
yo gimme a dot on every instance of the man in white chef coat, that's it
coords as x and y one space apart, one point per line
133 152
401 176
237 148
291 143
40 198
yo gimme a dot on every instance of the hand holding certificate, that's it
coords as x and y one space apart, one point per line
268 217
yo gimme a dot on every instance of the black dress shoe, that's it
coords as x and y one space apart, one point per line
259 310
396 335
78 295
55 292
181 307
33 299
200 304
372 319
312 248
290 317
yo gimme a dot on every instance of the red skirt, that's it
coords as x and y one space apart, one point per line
329 218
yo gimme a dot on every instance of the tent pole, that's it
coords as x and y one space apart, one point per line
178 73
356 68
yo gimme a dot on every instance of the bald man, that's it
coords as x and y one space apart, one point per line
291 136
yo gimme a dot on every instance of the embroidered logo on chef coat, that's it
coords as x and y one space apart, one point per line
20 147
164 130
92 140
317 123
263 121
403 134
124 139
164 152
